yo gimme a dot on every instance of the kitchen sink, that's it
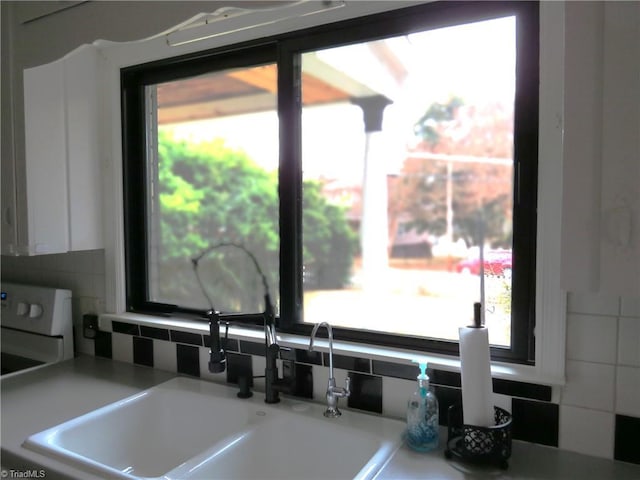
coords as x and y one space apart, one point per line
302 445
190 428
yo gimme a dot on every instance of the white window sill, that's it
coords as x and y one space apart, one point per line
502 370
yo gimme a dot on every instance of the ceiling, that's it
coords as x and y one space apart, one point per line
234 92
254 89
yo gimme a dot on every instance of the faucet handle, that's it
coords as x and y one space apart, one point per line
347 386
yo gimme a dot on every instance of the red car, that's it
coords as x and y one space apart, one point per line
496 263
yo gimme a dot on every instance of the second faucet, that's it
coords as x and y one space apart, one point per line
333 392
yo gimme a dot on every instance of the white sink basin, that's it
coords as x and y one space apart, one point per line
188 428
303 445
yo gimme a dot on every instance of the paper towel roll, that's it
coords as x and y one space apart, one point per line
475 369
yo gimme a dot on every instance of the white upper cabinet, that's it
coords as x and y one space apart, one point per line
62 155
601 178
620 177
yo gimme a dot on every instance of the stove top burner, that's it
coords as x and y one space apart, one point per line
15 363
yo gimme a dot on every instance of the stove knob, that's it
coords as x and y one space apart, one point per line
35 310
23 309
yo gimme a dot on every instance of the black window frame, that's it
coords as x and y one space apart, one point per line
285 49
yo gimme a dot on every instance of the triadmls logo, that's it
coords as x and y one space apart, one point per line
33 473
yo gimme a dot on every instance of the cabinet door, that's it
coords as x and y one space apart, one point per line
7 153
46 160
82 95
620 196
62 155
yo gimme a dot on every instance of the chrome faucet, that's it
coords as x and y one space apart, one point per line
333 392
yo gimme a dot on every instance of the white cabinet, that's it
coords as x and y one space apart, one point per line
62 157
601 180
620 174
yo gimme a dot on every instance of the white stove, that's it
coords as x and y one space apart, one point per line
37 327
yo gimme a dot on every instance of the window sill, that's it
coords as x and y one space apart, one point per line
502 370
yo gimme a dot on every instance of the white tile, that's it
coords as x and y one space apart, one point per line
81 344
105 324
164 356
592 338
320 381
81 284
86 261
59 262
629 341
628 391
76 311
502 401
589 385
630 307
204 367
320 378
122 347
98 285
590 432
90 305
395 394
593 303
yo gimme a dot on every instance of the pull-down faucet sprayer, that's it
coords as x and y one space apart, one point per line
333 392
217 356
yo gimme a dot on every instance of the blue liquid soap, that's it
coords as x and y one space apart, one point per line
422 416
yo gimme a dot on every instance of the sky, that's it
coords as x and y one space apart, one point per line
466 60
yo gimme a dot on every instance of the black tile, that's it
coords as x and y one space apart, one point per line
288 354
143 351
230 344
124 327
302 356
398 370
188 359
348 363
522 389
303 378
102 344
186 337
237 366
366 392
305 356
627 439
153 332
444 378
252 348
535 422
447 396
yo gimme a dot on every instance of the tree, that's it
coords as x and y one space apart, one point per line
479 189
329 244
210 193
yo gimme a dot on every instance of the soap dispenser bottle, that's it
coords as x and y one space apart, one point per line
422 416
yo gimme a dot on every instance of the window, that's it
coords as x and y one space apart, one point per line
382 171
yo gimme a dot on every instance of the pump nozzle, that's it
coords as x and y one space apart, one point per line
423 369
423 379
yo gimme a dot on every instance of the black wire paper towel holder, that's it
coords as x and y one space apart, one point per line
479 445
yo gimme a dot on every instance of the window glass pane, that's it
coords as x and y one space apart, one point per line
407 147
214 179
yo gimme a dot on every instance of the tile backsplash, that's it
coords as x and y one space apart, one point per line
600 403
597 412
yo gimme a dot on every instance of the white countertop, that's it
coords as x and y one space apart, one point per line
45 397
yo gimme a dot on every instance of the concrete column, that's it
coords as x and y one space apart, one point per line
374 230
